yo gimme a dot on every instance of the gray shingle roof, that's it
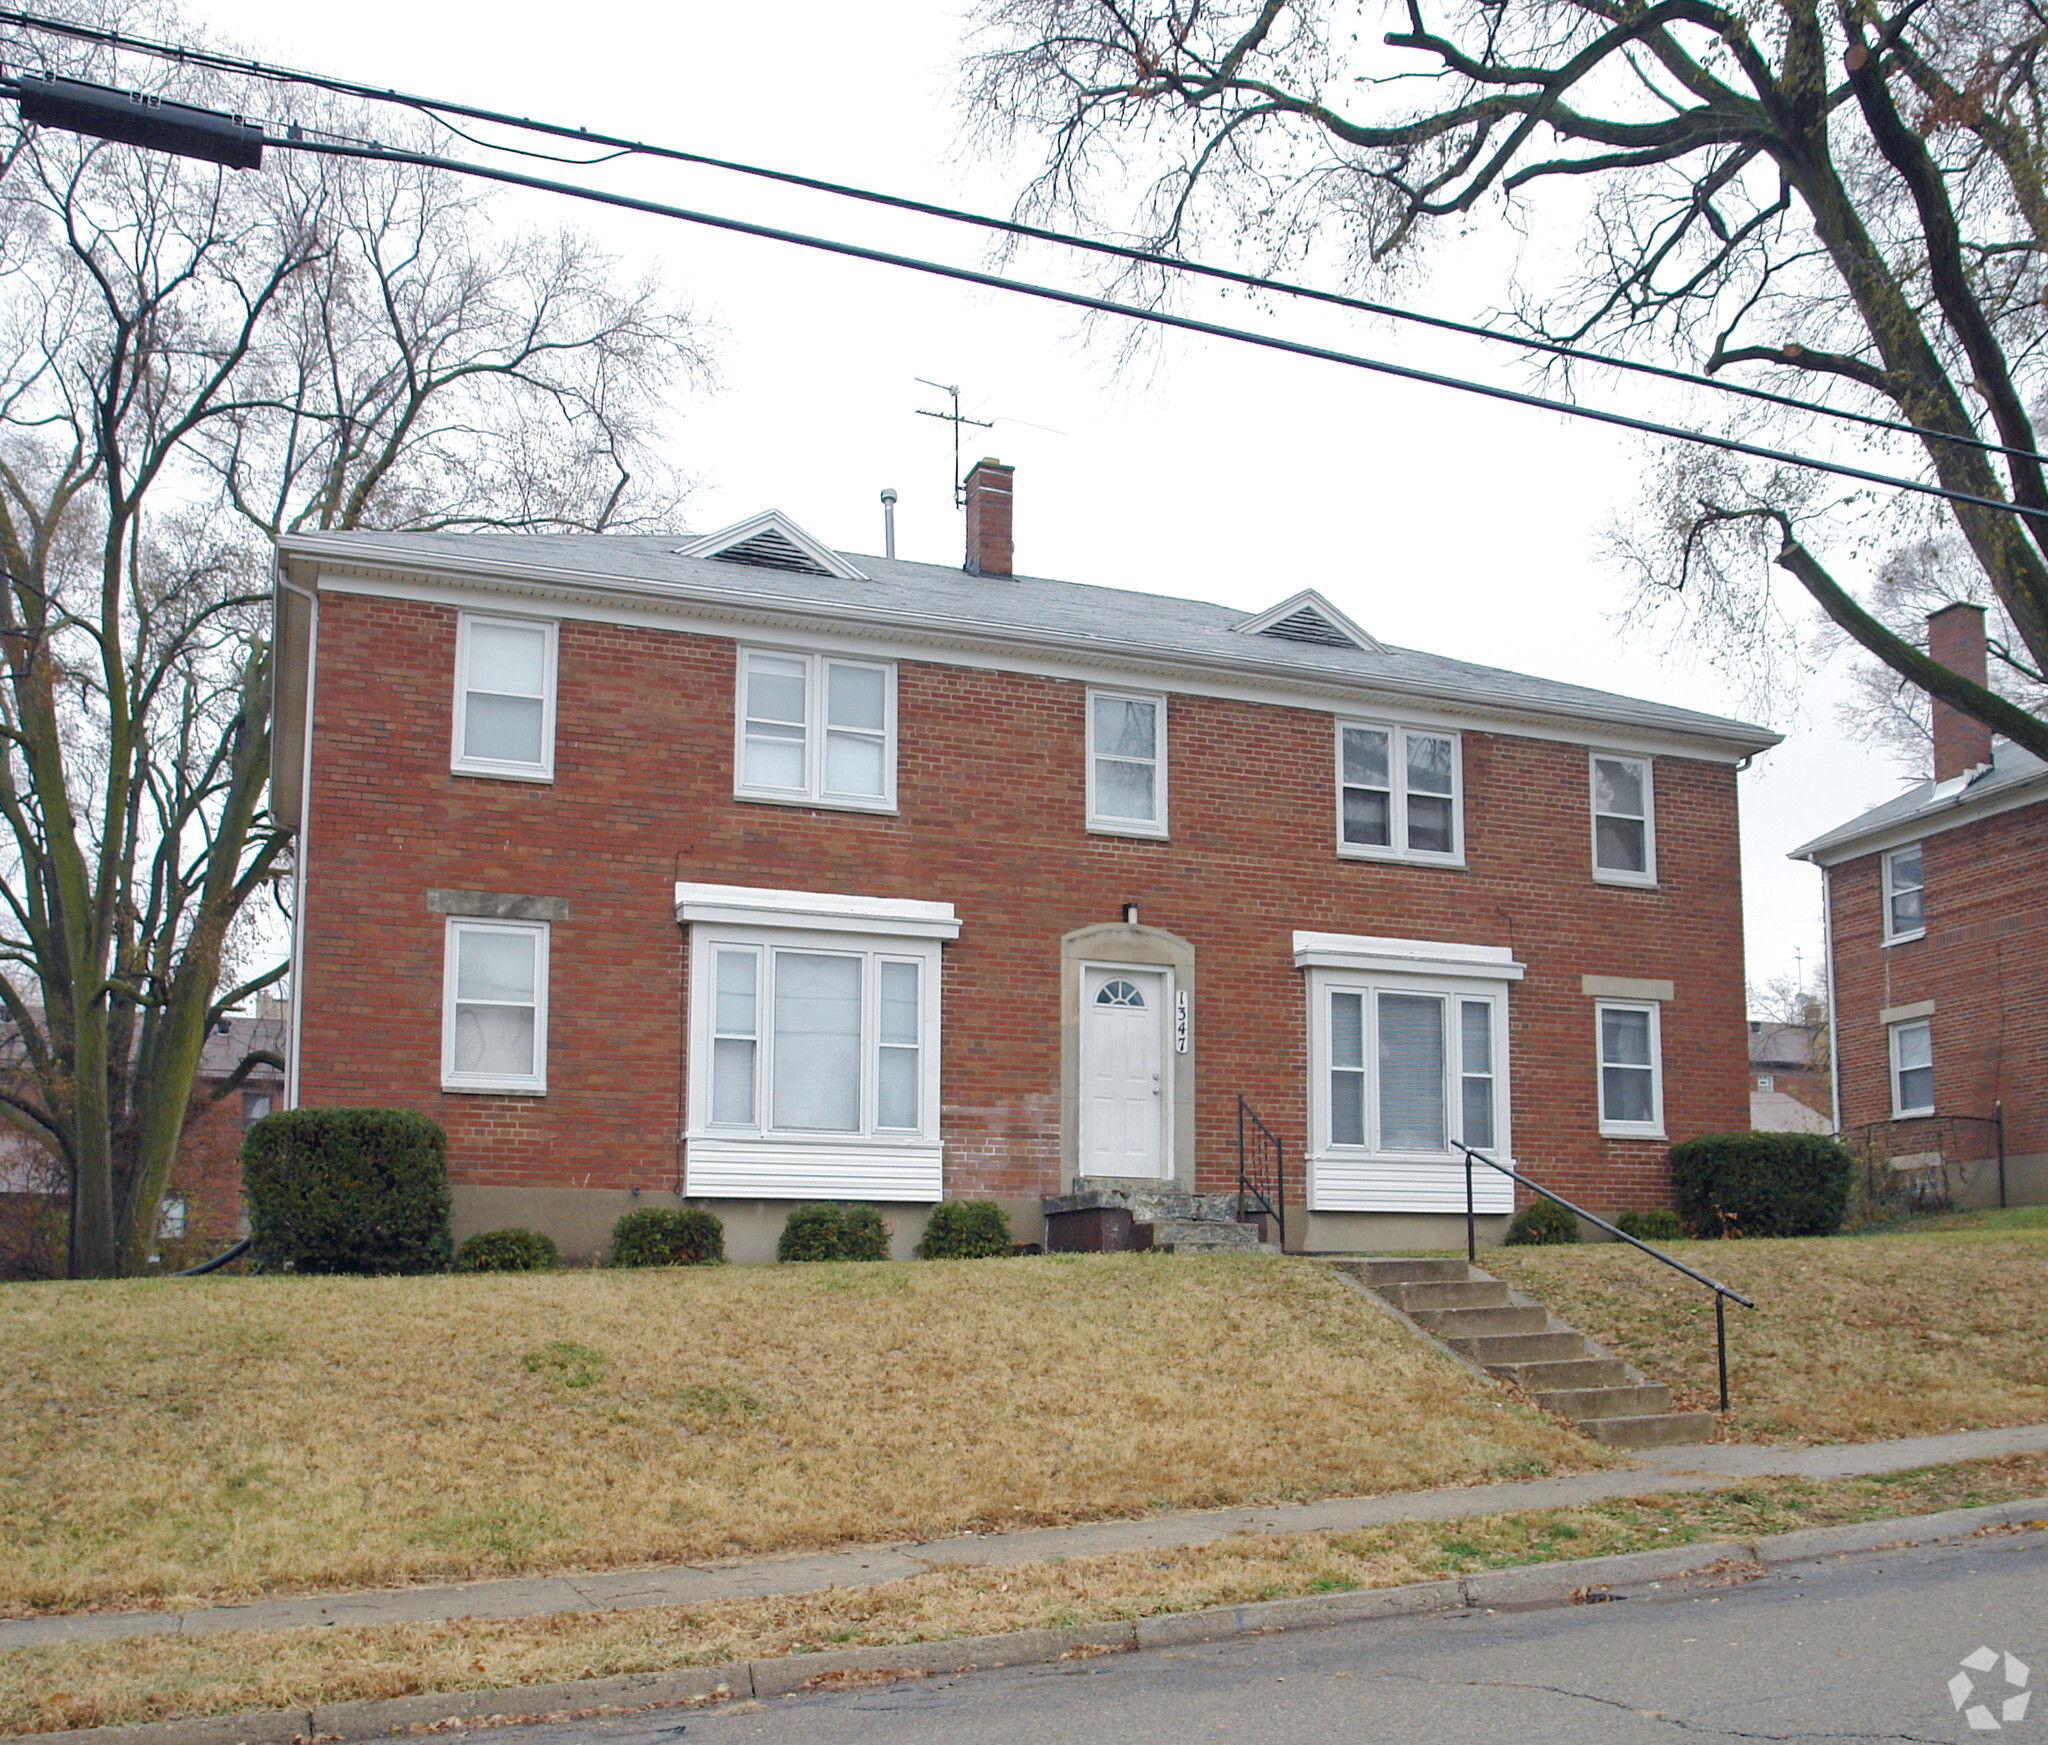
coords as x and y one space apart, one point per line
2013 770
941 606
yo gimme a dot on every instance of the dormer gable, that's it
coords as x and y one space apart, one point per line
1308 617
771 541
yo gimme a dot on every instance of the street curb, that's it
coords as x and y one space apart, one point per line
1527 1585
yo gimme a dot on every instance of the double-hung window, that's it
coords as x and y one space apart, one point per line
814 1044
505 697
494 1006
1398 793
1126 763
1631 1069
815 729
1624 821
1905 895
1912 1052
1408 1052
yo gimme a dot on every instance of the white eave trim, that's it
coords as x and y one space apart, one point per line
771 521
817 911
1322 608
1369 954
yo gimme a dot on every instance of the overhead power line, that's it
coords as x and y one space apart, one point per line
616 145
1137 312
296 141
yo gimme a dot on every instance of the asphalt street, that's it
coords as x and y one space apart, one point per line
1845 1650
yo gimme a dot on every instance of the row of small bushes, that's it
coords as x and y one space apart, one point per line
1726 1184
366 1191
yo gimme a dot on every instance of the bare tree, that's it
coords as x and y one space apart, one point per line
190 360
1842 201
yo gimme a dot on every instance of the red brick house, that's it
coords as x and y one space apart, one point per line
1938 957
742 870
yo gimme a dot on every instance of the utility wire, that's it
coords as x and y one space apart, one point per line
1136 312
616 146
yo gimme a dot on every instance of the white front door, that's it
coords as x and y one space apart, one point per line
1124 1094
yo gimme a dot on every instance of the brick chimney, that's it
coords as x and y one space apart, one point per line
990 548
1955 637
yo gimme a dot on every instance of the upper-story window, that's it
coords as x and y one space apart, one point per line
1905 895
505 697
1126 763
1624 821
815 729
1399 793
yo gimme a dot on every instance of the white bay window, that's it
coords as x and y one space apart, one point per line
814 1043
1408 1057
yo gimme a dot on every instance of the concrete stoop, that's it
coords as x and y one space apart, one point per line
1163 1217
1515 1338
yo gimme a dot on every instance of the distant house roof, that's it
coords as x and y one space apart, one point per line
1784 1047
223 1051
1308 646
2013 777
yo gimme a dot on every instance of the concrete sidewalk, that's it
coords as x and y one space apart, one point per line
1706 1466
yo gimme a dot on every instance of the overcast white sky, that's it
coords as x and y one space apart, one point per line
1435 520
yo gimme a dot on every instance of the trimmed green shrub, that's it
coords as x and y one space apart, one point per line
863 1234
1544 1223
810 1233
1761 1184
832 1232
965 1230
508 1251
662 1236
1657 1226
347 1190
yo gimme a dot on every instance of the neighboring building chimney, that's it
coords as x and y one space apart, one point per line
1955 637
990 548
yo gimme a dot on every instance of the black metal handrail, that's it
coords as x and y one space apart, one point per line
1721 1292
1252 1179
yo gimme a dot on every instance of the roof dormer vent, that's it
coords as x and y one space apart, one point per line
1308 617
771 541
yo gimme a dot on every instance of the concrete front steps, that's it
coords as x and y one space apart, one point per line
1161 1217
1510 1336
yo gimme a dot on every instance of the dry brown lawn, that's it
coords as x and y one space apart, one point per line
152 1678
1853 1339
170 1441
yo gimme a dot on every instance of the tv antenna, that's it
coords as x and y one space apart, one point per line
955 418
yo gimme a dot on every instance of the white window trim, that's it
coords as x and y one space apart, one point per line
1892 1034
760 1162
1605 875
515 1084
1885 896
1342 1178
1102 826
1654 1127
813 793
1397 794
460 762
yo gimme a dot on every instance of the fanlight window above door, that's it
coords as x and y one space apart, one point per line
1119 993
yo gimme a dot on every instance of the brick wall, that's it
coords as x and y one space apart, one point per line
990 777
1983 961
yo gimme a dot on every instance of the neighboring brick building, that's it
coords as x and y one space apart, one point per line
740 870
1938 957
